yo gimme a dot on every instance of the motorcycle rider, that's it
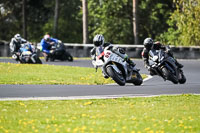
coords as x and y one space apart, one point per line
15 45
149 44
46 44
99 46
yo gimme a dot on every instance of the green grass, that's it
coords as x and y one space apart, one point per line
49 74
172 114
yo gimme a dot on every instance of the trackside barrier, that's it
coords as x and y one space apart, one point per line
134 51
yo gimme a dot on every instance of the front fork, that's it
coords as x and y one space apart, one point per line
33 57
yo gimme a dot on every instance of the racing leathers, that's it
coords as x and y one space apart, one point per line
15 46
97 51
156 46
46 47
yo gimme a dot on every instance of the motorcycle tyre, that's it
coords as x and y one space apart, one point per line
115 76
69 57
183 79
169 76
38 61
138 81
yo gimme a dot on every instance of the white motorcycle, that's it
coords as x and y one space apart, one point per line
117 68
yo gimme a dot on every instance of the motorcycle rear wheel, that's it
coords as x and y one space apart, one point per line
118 78
169 76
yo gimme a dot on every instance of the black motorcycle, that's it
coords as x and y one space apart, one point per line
59 53
165 66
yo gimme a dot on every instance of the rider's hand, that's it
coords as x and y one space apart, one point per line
51 51
148 67
17 53
52 43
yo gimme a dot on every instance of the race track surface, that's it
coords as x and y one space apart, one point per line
154 86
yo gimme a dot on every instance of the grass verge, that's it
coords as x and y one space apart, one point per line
50 74
137 115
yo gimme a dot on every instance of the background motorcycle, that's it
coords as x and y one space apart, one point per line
27 54
117 68
165 66
60 53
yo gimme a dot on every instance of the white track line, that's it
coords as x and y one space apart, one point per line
148 78
87 97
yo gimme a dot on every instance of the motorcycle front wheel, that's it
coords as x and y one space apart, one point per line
182 78
118 78
169 76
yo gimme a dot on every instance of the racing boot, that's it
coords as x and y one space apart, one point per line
152 72
105 76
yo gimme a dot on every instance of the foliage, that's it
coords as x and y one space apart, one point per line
113 19
40 15
130 115
184 24
153 15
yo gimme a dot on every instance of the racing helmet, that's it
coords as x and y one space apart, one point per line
148 42
47 37
18 37
98 40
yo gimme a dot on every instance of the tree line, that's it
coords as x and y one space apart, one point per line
174 22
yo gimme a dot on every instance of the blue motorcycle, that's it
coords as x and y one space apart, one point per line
28 54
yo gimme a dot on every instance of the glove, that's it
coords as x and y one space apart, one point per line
126 57
51 51
148 67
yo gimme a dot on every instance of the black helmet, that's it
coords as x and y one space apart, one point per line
148 42
98 40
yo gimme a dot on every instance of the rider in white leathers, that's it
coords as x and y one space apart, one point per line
99 47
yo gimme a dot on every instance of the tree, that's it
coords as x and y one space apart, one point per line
135 22
85 21
184 24
55 28
24 19
113 19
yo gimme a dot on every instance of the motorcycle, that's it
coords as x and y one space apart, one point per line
27 54
60 53
117 68
165 66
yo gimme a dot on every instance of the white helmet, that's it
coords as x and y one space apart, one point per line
98 40
18 37
47 37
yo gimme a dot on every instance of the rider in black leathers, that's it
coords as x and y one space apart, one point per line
98 41
149 44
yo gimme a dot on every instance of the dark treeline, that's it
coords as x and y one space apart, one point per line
113 19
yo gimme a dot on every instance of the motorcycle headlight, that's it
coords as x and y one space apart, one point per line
155 58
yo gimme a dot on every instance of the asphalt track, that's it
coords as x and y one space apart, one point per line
151 87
